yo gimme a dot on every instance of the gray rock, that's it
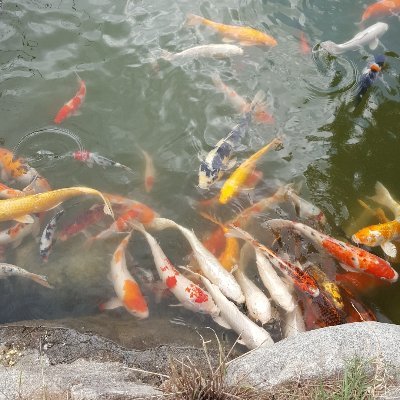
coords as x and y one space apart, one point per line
317 354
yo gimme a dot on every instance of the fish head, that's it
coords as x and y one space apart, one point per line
368 237
207 176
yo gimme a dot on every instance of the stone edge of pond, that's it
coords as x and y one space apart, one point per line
317 355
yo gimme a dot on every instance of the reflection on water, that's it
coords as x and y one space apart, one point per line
176 114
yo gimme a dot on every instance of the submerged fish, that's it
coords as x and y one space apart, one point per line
245 35
218 159
18 208
205 50
149 172
72 105
382 196
350 257
48 234
239 176
17 232
380 8
126 288
368 36
7 270
304 45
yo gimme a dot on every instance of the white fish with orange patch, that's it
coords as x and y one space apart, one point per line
127 289
149 171
15 234
190 295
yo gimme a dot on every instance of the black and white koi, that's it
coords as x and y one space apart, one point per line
47 238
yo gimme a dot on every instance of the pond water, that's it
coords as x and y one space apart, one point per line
175 113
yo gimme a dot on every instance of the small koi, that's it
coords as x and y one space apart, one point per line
7 270
72 105
149 172
47 238
305 48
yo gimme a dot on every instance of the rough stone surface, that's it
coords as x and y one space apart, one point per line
317 354
62 363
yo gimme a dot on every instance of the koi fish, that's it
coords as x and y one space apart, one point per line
19 207
304 46
7 192
302 280
15 234
209 265
257 303
136 212
239 176
355 309
72 105
368 77
304 209
242 219
251 335
82 221
380 8
126 288
230 254
204 51
190 295
47 238
350 257
382 196
7 270
362 283
245 35
239 103
91 159
149 172
368 36
219 158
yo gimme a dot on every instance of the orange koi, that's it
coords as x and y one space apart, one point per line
362 283
304 45
239 176
350 257
245 35
127 289
72 105
380 8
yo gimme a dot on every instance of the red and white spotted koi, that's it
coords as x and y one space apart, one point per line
72 105
190 295
126 288
350 257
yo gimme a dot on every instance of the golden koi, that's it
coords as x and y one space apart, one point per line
127 289
245 35
18 208
239 176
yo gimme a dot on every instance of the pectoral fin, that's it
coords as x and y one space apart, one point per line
389 249
220 321
114 302
348 268
25 219
374 44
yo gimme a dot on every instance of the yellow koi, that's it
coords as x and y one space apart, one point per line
245 35
239 176
18 208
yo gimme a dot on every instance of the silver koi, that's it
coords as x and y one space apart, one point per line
7 270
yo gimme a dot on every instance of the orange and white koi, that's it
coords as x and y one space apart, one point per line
72 105
245 35
208 263
251 335
48 235
7 270
190 295
381 8
239 103
126 288
239 176
301 279
15 234
149 171
136 212
350 257
18 208
7 192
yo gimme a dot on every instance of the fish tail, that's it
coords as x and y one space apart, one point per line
41 280
213 219
192 19
107 205
383 196
257 100
239 233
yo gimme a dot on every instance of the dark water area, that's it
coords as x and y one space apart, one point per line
175 113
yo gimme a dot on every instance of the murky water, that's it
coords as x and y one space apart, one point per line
176 114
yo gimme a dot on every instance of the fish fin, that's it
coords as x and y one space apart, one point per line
192 19
382 196
348 268
41 280
111 304
220 321
258 99
374 44
246 43
227 40
240 341
175 305
25 219
389 249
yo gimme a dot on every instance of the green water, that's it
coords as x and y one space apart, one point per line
176 114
